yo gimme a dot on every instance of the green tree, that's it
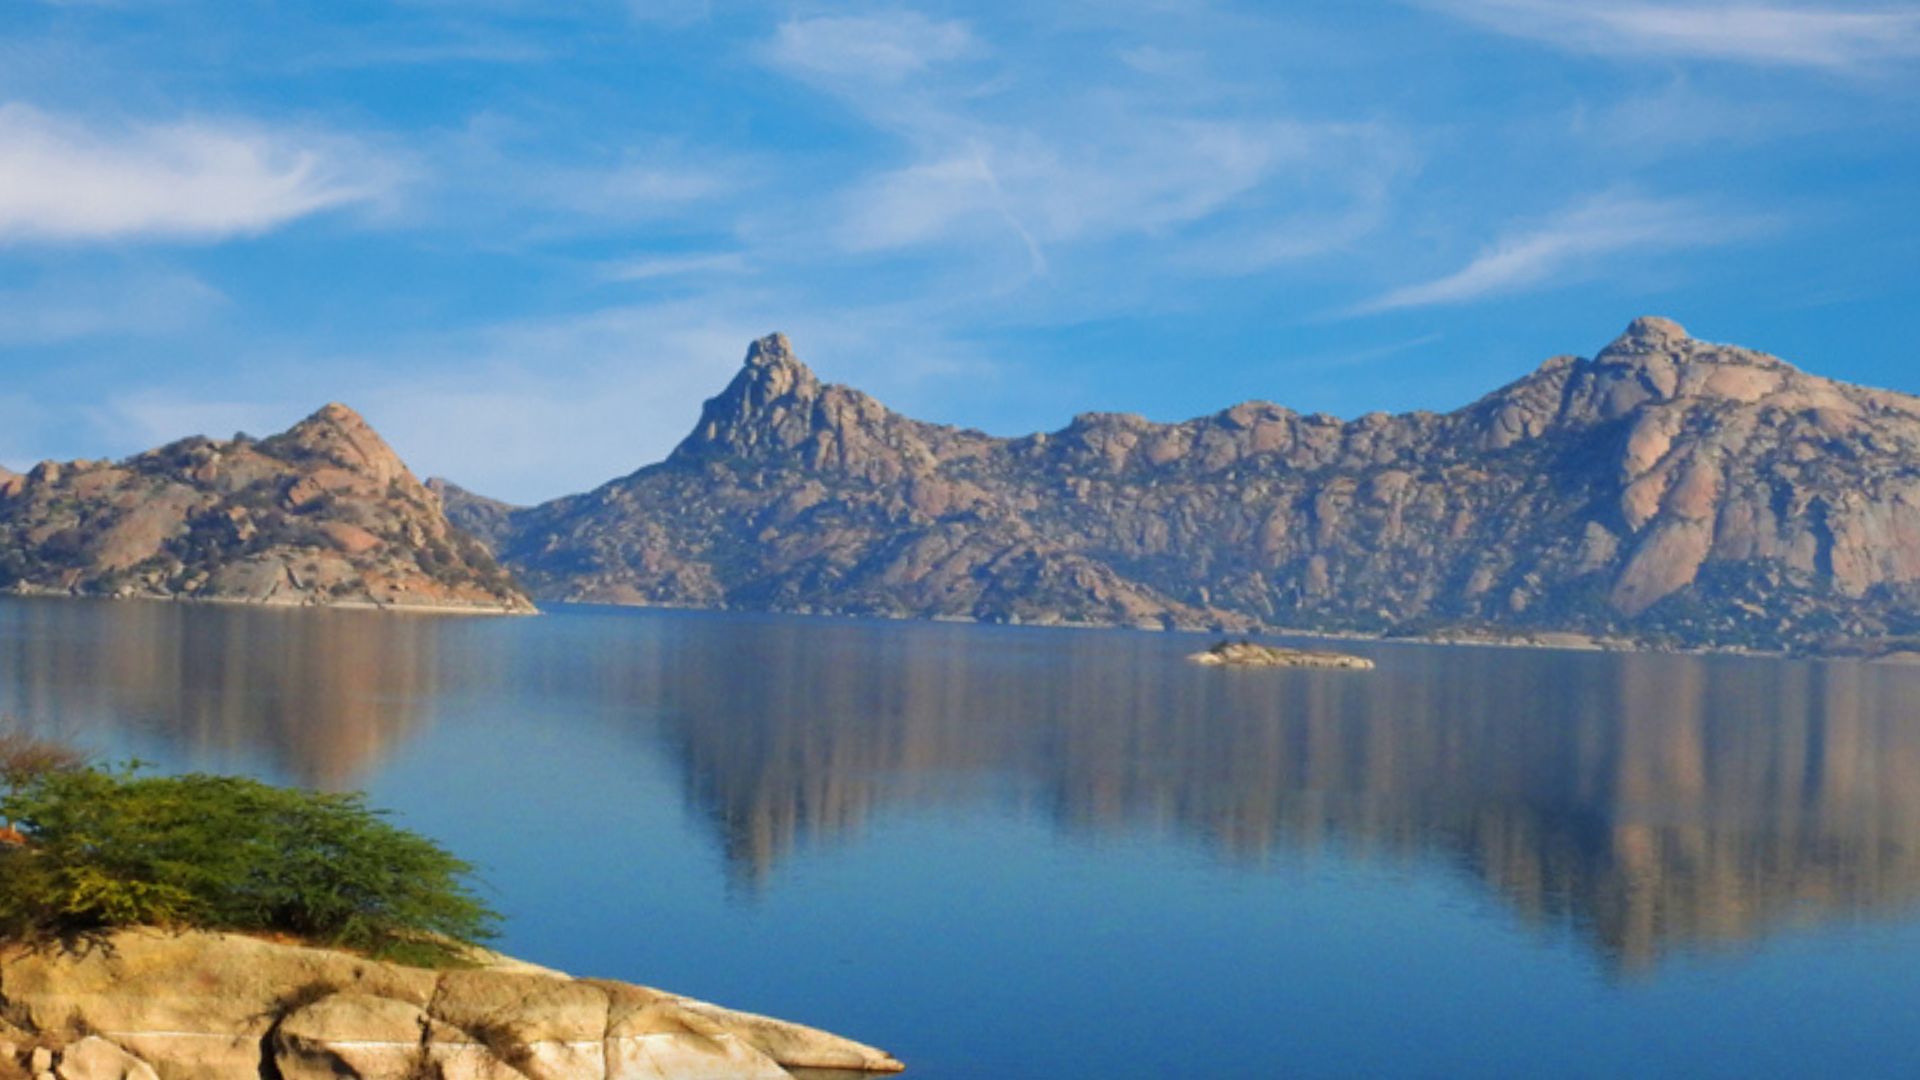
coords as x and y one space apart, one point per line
117 848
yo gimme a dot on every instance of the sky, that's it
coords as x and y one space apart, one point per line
526 238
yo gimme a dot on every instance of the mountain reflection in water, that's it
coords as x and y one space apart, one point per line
1651 802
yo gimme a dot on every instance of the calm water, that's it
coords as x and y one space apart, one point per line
1014 853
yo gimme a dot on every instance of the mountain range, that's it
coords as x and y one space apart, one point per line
1665 491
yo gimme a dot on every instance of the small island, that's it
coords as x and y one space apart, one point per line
1255 655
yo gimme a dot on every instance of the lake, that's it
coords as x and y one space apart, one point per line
1007 852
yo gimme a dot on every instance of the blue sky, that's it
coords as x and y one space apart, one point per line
526 239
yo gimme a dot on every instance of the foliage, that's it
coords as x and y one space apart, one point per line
117 848
24 758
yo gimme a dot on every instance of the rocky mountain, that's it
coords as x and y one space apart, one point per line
487 520
324 513
1668 490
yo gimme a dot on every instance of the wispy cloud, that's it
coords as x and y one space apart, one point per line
148 418
67 308
506 167
883 47
1804 35
1150 177
998 162
658 267
642 188
63 179
1571 245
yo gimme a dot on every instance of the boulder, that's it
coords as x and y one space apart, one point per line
94 1058
201 1006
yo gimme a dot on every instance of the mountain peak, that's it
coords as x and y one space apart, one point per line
768 404
1649 334
770 350
336 413
344 436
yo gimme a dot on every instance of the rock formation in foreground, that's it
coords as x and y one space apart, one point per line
324 513
203 1006
1667 490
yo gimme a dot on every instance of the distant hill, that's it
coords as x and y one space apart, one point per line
322 514
1668 490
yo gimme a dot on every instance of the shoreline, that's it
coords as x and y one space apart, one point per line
1549 640
30 592
1561 640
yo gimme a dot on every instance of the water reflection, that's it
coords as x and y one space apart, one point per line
1650 802
320 697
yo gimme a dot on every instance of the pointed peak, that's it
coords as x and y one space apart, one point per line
338 415
1649 334
772 371
344 436
773 391
775 370
770 350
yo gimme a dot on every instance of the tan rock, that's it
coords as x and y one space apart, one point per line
95 1058
351 539
352 1034
300 518
198 1006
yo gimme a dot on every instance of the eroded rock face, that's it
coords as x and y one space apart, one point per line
199 1006
1668 488
325 513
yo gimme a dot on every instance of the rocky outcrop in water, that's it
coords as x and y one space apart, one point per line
1252 654
202 1006
1669 490
324 513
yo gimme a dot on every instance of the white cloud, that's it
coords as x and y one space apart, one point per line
68 308
1680 117
1803 35
1569 247
657 267
147 419
62 179
999 163
879 48
1145 177
662 181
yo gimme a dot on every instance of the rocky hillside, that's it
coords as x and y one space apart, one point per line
1669 490
153 1005
324 513
487 520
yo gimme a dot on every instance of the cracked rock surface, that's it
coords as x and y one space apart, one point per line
200 1006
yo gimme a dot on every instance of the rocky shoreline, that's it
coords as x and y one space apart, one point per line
160 1005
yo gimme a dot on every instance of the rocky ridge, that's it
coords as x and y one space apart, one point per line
205 1006
324 513
1667 491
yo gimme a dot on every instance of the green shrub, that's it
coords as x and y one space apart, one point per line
116 848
